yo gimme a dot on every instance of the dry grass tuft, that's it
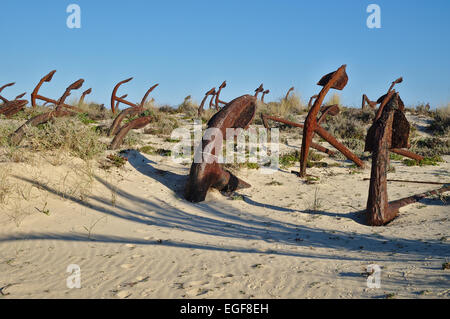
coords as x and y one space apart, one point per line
440 124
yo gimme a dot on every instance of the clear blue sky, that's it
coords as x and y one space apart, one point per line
189 46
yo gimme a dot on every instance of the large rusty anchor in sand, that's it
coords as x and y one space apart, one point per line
135 110
206 171
335 80
10 108
60 110
390 130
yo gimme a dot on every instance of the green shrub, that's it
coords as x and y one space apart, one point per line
434 161
188 107
441 121
66 135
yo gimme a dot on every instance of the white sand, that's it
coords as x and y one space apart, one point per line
134 236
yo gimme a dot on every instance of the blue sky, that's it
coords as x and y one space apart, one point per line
191 46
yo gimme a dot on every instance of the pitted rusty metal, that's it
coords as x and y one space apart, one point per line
311 101
316 146
211 102
260 89
207 94
83 95
264 93
18 97
61 101
288 93
10 108
138 123
334 80
134 110
115 100
238 113
365 100
382 139
400 126
218 101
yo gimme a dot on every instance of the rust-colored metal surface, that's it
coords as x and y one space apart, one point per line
118 102
18 97
400 126
134 124
365 100
336 80
135 109
409 181
10 108
211 102
379 211
13 107
264 94
260 89
144 99
83 95
407 153
288 93
131 111
115 99
332 110
18 135
222 86
316 146
238 113
207 94
36 96
399 203
312 98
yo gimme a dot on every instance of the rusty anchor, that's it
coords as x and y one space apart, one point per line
238 113
311 99
325 110
365 100
207 94
264 93
336 80
218 101
399 114
211 102
135 109
387 132
10 108
215 99
115 100
36 96
83 95
59 111
288 93
260 89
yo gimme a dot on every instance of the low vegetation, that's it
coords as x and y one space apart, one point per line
440 123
